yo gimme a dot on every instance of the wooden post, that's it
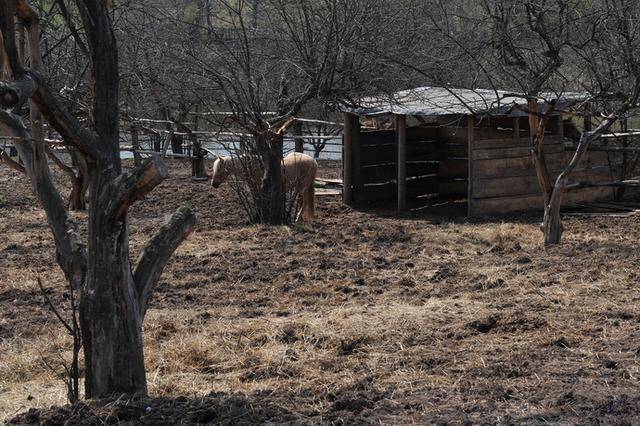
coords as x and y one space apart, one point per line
618 193
351 130
155 139
137 159
167 141
297 131
471 121
560 126
516 127
401 140
588 125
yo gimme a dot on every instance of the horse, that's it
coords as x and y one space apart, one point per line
299 171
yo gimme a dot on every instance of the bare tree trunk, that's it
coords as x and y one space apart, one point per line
110 317
271 202
197 164
114 297
537 128
552 224
79 183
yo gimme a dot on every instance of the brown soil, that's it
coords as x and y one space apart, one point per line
363 317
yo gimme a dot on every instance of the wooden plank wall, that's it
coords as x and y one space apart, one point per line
504 178
378 168
454 165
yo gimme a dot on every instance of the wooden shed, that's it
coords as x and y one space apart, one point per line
457 145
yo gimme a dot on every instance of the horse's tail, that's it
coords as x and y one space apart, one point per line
309 198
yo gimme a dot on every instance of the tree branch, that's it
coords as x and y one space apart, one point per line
58 162
29 84
104 59
70 252
14 94
130 187
157 252
62 121
11 163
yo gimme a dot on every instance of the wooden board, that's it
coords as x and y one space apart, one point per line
448 150
386 153
453 187
422 132
388 191
372 193
502 205
454 134
377 137
488 133
513 152
382 173
422 186
454 168
380 154
422 148
508 167
528 185
513 142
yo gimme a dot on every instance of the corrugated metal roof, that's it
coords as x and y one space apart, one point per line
433 101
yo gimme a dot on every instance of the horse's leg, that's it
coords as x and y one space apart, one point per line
309 202
311 194
302 207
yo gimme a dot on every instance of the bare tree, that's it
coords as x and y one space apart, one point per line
261 62
542 49
610 55
114 294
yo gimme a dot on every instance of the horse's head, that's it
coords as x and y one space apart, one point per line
219 173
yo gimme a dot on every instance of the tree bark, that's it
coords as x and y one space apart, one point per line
112 302
197 163
109 314
537 128
79 179
271 201
552 223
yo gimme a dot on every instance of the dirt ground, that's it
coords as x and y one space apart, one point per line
363 317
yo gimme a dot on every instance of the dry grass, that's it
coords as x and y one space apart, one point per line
359 317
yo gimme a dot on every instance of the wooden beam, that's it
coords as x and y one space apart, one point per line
401 141
348 147
588 124
297 131
560 126
471 121
617 135
516 128
603 148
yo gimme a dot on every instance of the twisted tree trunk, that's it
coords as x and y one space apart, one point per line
114 296
272 197
552 223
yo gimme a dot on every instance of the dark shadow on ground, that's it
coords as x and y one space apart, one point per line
342 408
353 405
437 211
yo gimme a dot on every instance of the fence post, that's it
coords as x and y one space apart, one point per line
401 141
297 131
351 130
